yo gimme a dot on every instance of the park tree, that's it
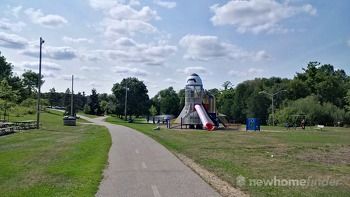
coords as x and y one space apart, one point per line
138 100
5 68
94 103
8 97
328 84
53 97
168 101
104 106
30 81
347 101
153 110
181 95
315 112
226 85
80 101
225 102
112 104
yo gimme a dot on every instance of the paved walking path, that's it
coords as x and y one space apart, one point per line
140 167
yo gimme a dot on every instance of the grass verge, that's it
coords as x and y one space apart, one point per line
55 160
295 154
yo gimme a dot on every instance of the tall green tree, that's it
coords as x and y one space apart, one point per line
138 100
94 103
169 101
30 81
7 97
53 97
226 85
5 68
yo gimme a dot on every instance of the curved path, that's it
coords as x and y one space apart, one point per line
140 167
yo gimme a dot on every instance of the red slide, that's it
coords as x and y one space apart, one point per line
206 121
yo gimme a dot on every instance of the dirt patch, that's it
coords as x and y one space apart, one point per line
327 155
224 188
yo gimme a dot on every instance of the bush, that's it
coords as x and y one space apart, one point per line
316 113
87 109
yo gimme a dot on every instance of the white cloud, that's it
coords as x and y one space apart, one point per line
122 12
348 42
7 25
170 81
12 41
204 48
122 19
126 71
125 42
250 72
117 28
90 68
102 4
193 69
57 53
134 3
76 40
94 84
15 10
89 56
166 4
129 51
50 20
49 74
49 66
257 16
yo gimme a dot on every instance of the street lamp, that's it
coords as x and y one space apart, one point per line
126 100
39 86
272 106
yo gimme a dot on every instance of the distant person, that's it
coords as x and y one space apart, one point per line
287 125
147 119
303 124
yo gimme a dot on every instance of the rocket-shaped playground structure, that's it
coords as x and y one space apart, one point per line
199 110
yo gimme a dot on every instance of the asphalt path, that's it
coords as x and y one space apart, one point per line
138 166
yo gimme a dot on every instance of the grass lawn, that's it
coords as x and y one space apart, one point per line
55 160
297 154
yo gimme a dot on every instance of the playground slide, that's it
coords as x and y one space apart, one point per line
206 121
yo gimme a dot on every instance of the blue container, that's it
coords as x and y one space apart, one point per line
253 124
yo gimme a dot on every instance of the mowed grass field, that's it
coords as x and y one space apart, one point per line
56 160
294 154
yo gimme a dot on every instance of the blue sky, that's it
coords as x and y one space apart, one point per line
161 42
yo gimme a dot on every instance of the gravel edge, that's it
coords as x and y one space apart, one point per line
224 188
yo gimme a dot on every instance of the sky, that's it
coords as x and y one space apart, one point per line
161 42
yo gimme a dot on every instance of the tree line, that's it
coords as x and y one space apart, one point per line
319 93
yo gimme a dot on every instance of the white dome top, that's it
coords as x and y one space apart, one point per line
194 79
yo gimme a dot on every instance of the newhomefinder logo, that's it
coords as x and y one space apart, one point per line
278 182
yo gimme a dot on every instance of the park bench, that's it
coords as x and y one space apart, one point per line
321 127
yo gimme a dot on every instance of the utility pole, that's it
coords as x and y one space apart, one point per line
39 87
272 100
72 99
126 100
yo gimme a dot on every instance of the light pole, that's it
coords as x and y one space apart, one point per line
126 100
72 99
272 106
39 86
